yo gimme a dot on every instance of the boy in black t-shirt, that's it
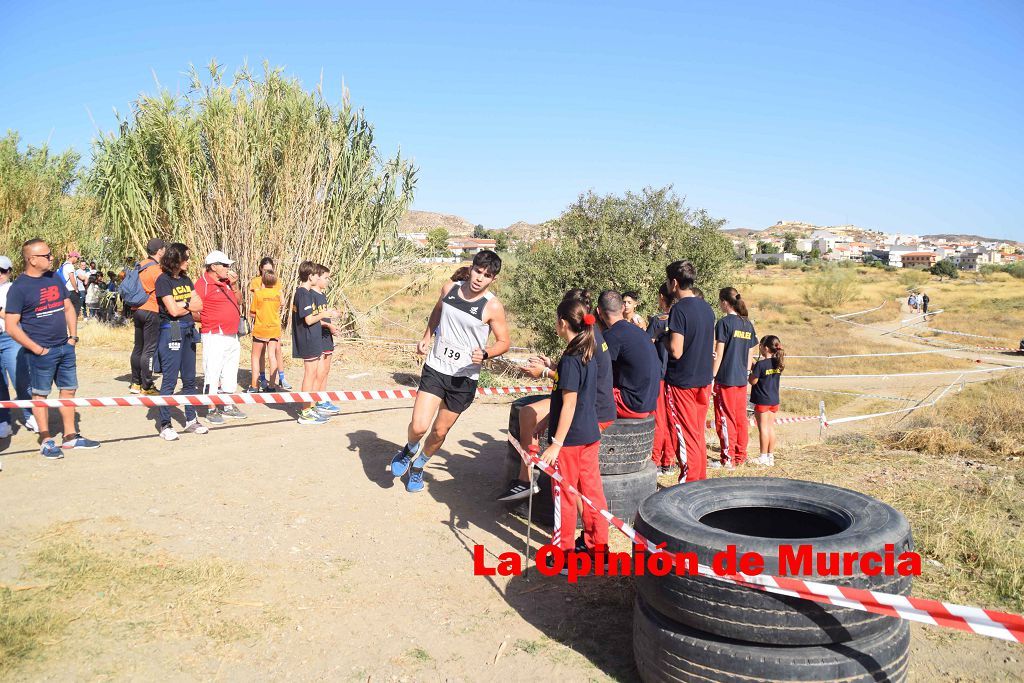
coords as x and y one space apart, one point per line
691 328
657 329
764 394
307 337
318 285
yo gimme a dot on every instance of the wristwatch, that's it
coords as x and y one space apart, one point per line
75 338
486 355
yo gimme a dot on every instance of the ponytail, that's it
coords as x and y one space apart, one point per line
732 297
772 343
580 321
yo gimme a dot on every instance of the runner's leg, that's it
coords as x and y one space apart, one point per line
442 424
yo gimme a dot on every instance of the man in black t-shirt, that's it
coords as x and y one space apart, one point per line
636 369
691 328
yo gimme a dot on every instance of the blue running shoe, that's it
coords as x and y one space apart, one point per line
328 408
283 383
415 483
400 463
51 450
80 442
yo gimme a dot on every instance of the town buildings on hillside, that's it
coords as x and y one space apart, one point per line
898 250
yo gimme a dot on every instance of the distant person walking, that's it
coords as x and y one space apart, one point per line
146 320
912 302
40 317
924 303
176 348
219 321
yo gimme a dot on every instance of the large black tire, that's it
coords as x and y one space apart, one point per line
626 445
759 514
667 651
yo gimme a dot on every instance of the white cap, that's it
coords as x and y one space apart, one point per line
218 257
5 263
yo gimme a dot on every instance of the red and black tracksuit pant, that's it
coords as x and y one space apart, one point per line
578 466
663 454
687 414
731 423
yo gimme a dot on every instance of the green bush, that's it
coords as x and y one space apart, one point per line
761 266
832 288
615 242
791 265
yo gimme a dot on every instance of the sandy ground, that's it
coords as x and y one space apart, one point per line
349 577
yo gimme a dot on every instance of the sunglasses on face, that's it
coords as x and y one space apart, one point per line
48 256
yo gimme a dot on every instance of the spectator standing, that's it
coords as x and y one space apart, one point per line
630 302
735 345
219 321
636 368
691 329
146 320
924 303
92 297
72 285
267 263
10 379
41 318
657 330
176 348
265 311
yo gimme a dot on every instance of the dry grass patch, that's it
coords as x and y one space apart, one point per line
78 588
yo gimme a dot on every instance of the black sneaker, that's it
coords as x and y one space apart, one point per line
518 490
581 545
549 563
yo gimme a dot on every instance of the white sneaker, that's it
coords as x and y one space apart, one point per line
5 430
771 459
715 465
168 434
764 459
194 426
30 424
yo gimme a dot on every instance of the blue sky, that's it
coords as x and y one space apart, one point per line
894 116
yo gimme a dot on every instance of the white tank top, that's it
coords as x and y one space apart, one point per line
460 332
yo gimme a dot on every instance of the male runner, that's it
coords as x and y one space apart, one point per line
464 317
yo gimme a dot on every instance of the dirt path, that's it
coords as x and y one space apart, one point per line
341 574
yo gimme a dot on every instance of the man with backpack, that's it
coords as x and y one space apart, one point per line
137 291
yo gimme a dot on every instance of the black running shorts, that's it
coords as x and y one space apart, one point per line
456 392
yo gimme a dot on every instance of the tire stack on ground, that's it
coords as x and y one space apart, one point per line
691 628
628 474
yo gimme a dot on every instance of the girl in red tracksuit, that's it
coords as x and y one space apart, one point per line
764 394
574 431
735 343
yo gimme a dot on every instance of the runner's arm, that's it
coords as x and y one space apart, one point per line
499 327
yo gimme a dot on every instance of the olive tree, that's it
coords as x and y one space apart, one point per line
614 242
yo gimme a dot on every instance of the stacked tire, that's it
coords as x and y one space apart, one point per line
628 474
692 628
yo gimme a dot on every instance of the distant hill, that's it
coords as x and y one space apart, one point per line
527 232
424 221
967 238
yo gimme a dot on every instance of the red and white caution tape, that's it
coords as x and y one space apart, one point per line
858 418
274 398
990 623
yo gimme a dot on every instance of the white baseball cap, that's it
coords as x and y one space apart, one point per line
218 257
5 263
